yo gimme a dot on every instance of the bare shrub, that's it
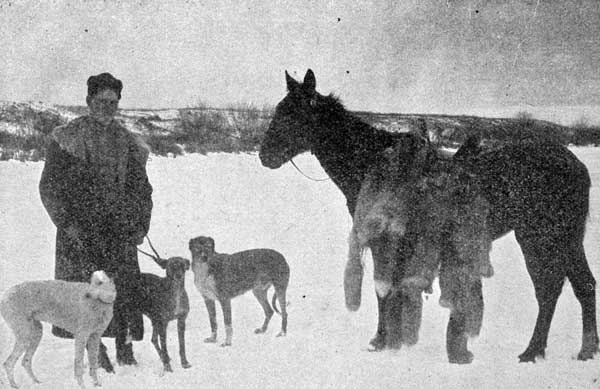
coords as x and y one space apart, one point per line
250 123
584 133
204 130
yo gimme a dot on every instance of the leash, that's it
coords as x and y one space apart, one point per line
157 259
310 178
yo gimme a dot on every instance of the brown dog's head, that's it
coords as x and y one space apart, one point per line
176 268
202 247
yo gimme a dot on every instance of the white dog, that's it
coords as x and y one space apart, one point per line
82 309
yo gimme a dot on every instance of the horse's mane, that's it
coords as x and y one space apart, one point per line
339 121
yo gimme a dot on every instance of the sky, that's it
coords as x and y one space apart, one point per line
439 56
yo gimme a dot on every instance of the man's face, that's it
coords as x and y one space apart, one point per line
104 104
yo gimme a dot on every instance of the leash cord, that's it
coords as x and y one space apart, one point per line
310 178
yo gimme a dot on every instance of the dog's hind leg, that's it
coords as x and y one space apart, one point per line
22 329
104 359
34 341
181 335
260 292
280 294
9 364
154 340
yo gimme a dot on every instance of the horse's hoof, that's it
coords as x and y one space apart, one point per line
186 365
259 331
530 356
584 355
167 367
281 334
226 344
210 340
396 344
462 358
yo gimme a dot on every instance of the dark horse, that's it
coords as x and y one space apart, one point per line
538 189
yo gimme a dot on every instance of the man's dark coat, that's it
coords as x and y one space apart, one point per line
94 181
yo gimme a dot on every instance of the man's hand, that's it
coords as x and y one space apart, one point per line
138 238
73 234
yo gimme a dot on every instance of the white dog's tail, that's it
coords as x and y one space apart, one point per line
353 274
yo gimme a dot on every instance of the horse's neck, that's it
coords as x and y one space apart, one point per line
346 147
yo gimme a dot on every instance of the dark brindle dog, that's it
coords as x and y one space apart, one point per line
166 300
222 277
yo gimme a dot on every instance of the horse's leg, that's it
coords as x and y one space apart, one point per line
461 284
456 339
545 262
584 286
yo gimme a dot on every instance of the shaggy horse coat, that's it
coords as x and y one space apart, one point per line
539 190
422 206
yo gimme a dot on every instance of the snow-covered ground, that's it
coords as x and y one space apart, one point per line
243 205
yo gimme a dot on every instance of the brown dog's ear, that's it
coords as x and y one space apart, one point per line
162 263
187 264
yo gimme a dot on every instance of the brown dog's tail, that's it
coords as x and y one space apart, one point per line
273 303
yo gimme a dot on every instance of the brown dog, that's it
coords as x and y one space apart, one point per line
83 309
222 277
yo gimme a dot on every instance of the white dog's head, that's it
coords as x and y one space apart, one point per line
102 288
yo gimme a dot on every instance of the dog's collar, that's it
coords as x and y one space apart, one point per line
102 296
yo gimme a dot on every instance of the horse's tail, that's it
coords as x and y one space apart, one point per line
353 274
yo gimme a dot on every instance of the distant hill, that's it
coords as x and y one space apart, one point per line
23 127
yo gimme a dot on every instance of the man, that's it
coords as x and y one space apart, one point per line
95 189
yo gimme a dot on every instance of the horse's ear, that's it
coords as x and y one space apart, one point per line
292 84
310 82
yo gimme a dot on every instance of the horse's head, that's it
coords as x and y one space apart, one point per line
290 131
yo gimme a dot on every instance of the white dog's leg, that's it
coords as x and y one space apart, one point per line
93 347
9 364
34 341
80 342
